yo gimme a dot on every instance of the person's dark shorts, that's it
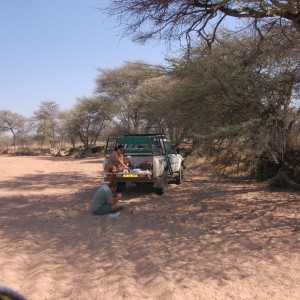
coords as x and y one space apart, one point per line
104 210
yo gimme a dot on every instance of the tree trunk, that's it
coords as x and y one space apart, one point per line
287 180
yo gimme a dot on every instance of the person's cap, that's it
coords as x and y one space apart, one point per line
121 146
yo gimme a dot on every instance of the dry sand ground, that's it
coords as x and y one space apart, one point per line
201 240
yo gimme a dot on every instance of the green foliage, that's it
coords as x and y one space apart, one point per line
122 87
47 119
240 99
87 120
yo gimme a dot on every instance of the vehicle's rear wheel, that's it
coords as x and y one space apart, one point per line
121 187
179 177
162 188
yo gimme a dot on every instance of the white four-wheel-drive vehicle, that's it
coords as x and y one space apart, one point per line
151 160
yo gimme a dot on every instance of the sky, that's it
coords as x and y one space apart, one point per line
50 50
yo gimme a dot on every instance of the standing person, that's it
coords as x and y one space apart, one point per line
105 200
115 162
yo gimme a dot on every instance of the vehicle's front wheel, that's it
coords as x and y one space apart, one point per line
179 177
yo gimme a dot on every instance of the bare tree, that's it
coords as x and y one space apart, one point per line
13 123
176 19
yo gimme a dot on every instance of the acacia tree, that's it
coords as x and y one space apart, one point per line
47 120
162 114
173 19
121 87
243 103
87 120
244 89
14 123
68 127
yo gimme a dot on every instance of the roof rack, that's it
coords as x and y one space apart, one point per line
144 134
162 136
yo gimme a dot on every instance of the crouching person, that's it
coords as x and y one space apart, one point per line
105 200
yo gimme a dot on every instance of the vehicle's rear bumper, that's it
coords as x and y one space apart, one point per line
129 177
